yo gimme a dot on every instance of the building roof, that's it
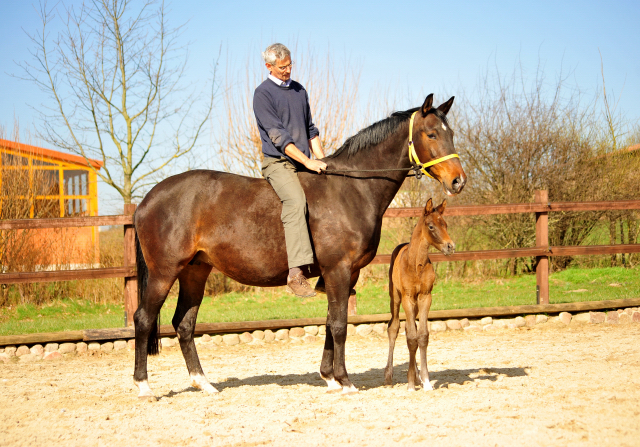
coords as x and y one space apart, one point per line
49 153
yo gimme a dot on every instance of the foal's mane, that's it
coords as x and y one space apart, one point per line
380 131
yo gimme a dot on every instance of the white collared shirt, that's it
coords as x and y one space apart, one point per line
280 82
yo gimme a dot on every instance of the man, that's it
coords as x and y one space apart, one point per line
288 135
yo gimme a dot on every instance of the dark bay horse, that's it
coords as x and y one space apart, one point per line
200 219
411 278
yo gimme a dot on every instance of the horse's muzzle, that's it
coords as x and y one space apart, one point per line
448 248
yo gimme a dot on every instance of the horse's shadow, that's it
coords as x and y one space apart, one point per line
373 378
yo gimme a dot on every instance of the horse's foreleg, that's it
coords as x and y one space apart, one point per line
392 331
424 303
409 305
145 320
337 286
192 283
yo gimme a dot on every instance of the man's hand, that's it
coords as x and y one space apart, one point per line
315 165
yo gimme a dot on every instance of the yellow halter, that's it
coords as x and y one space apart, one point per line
414 157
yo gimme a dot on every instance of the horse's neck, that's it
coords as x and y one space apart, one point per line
418 250
377 187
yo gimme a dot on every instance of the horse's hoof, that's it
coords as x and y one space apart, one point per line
201 383
349 390
333 385
147 397
427 386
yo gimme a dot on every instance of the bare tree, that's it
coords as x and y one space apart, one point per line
333 96
114 74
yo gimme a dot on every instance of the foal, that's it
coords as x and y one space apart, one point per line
411 278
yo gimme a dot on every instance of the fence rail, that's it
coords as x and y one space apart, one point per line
542 251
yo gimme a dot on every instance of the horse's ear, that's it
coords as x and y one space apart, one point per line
442 207
428 103
428 209
445 106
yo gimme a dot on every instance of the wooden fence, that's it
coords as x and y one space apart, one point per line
541 207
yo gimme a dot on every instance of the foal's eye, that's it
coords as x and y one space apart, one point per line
431 228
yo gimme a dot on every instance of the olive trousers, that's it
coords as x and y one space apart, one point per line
283 178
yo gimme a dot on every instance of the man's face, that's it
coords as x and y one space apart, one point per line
281 69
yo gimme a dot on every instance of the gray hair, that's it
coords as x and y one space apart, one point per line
274 52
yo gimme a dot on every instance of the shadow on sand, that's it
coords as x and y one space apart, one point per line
373 378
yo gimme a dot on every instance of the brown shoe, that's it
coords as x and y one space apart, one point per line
299 286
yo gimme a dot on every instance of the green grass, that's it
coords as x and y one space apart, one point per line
566 286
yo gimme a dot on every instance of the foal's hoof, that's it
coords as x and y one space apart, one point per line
151 398
426 386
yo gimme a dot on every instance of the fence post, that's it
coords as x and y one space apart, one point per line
353 305
130 283
542 240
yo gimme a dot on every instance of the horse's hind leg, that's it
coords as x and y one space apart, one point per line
424 303
192 282
392 331
146 326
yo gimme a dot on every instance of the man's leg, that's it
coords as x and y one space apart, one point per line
282 176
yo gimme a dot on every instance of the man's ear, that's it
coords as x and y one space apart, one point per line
426 106
428 209
442 207
445 106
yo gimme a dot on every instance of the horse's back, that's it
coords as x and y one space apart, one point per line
232 222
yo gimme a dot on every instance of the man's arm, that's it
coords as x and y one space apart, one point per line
313 165
316 147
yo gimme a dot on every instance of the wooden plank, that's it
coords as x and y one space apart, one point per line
594 250
89 221
108 334
511 208
474 255
43 337
67 275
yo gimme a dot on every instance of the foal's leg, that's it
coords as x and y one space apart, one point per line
424 303
192 282
333 368
392 331
409 305
145 320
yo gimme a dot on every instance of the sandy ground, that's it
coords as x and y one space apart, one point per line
540 386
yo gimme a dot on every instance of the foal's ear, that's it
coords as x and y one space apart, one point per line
440 208
428 209
445 106
428 103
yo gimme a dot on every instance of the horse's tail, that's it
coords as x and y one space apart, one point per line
153 343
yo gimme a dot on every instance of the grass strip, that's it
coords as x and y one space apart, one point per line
571 285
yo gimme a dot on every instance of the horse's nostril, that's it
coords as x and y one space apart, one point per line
457 184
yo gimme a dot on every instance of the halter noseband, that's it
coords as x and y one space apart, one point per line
413 157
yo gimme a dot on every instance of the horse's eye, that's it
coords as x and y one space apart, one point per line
432 136
431 227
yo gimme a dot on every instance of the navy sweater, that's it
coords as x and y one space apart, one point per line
284 117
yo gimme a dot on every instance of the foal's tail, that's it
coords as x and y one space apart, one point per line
153 345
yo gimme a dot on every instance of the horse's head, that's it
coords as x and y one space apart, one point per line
435 228
433 139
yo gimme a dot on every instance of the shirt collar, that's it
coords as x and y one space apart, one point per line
280 82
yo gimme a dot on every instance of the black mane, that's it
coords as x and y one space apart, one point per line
380 131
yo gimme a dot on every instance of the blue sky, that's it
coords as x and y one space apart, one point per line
416 47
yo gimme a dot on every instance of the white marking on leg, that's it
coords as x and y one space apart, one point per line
145 390
349 390
333 384
200 382
426 386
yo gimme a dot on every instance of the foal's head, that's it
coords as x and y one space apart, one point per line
434 228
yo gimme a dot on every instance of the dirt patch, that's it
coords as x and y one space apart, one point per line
540 386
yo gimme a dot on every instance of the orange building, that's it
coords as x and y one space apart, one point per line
43 183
